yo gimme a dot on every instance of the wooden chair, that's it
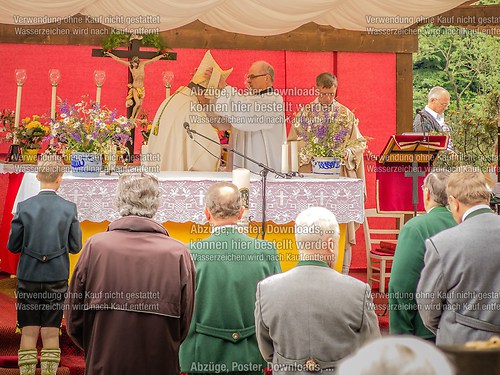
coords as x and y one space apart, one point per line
379 260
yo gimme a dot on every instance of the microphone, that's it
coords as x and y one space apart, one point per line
188 130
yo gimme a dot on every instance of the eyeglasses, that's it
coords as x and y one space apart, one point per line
443 104
253 76
326 94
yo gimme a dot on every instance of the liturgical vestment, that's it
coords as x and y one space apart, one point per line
169 139
258 126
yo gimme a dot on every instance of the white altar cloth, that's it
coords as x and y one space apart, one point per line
183 196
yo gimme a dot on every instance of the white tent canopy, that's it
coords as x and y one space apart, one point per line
250 17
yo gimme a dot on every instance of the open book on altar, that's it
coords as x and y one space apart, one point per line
410 147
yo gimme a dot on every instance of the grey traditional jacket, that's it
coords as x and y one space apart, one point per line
458 292
311 317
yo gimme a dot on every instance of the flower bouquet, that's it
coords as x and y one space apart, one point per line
86 130
90 127
325 132
6 125
29 134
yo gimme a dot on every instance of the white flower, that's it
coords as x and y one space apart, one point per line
127 129
315 140
122 120
118 130
103 125
89 137
63 115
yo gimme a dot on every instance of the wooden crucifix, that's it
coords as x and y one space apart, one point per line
135 90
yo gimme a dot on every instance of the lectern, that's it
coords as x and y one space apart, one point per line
406 155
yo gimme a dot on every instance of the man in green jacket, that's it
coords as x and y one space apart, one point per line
229 264
409 257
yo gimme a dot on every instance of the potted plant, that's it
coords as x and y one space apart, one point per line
324 137
29 135
86 130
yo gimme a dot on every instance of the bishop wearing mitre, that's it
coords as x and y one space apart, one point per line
169 139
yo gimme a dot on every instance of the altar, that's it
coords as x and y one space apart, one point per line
182 204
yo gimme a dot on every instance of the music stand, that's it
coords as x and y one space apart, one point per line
411 150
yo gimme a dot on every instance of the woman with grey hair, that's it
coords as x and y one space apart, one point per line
132 290
137 195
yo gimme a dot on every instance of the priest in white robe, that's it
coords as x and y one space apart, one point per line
169 139
257 118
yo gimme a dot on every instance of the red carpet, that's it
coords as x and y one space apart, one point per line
72 361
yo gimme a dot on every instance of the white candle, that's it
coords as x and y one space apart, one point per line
295 156
53 103
284 158
18 105
98 95
167 92
241 178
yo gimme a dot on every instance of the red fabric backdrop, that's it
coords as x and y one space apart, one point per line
367 84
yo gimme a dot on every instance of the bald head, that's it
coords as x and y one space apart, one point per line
260 76
223 200
264 68
317 234
438 99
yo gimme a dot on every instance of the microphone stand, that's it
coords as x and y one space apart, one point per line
263 174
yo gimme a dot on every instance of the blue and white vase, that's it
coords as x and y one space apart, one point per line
86 164
326 167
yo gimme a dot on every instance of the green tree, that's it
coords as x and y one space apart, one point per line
465 62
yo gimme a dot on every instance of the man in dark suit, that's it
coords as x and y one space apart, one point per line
45 230
229 264
458 290
431 118
409 257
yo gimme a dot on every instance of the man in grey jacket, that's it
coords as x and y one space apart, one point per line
458 292
311 317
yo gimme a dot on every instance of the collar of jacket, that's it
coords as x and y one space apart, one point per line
437 209
478 212
269 90
47 192
319 263
134 223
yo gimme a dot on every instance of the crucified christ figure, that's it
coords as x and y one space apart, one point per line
136 92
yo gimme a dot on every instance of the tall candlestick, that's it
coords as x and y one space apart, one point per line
99 78
284 158
167 77
241 178
98 95
54 78
18 105
20 78
294 156
53 103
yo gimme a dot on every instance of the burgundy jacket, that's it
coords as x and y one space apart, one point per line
131 298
